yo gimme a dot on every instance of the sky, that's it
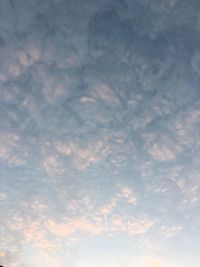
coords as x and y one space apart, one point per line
99 133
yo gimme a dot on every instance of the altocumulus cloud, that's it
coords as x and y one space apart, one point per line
100 126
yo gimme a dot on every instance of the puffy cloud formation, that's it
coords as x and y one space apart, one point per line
99 136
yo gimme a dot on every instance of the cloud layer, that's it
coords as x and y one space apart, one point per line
100 126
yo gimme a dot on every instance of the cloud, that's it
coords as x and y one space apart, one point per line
130 225
53 166
34 233
115 225
99 104
2 254
69 228
128 194
170 232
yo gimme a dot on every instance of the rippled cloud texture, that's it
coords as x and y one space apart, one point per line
100 133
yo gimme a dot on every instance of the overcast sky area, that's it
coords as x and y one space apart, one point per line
99 133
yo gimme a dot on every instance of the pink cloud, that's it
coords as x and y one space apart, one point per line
73 226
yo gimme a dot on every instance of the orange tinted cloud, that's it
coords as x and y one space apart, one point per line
77 225
36 235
